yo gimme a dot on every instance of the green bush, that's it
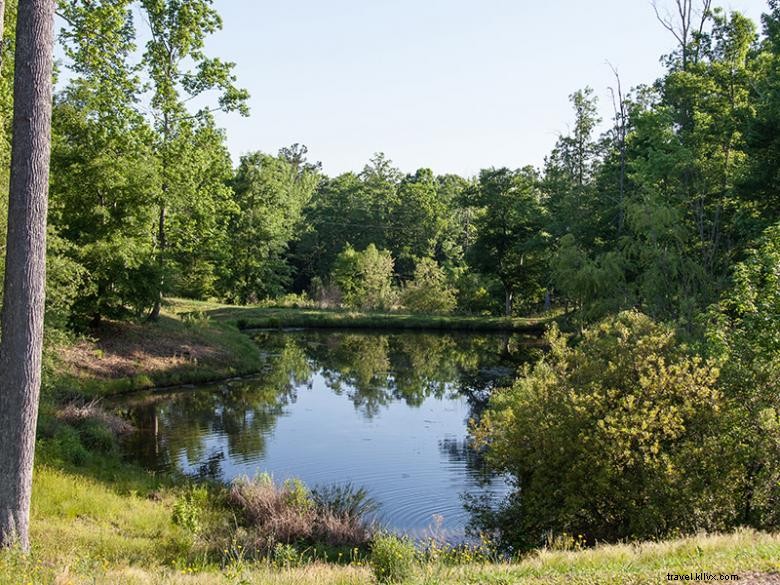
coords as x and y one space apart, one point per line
297 496
285 556
429 292
189 509
345 501
65 446
615 438
97 436
365 278
393 558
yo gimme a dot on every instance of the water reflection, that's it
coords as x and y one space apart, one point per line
386 411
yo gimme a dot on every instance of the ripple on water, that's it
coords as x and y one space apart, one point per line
411 455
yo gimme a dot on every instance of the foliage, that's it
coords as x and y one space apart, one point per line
613 438
510 239
270 193
188 509
429 292
393 558
365 278
345 500
744 334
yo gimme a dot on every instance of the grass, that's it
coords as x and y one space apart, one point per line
178 349
86 532
257 317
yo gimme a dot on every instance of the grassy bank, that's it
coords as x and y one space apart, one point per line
87 531
274 317
178 349
199 342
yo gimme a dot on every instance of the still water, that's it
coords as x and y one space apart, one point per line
388 412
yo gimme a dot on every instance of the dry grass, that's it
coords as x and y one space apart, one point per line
120 350
287 514
176 350
79 411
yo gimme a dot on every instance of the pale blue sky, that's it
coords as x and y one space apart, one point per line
455 85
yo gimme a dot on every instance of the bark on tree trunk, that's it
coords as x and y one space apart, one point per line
25 268
161 245
2 29
508 303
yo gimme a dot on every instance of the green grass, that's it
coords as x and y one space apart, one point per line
255 317
85 531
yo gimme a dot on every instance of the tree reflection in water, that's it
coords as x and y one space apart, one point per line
372 370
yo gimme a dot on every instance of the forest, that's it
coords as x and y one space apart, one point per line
648 244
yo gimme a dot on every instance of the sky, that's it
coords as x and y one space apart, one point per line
453 85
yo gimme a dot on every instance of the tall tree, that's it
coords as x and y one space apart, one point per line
102 163
570 169
180 71
509 241
270 193
25 270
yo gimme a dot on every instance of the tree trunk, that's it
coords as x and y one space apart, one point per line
2 29
162 241
161 245
508 303
25 268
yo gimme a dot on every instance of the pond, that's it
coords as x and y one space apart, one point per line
388 412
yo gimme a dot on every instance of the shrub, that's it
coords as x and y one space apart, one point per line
272 512
615 438
97 436
289 514
393 558
66 446
345 501
189 509
365 278
429 292
76 413
285 556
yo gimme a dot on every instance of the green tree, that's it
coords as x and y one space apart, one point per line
761 184
197 227
509 232
417 220
429 291
365 278
103 165
744 334
180 71
570 171
270 193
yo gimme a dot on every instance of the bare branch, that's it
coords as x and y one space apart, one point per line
666 22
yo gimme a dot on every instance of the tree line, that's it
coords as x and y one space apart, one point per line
652 212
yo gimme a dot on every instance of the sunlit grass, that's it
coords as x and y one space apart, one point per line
85 531
264 317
